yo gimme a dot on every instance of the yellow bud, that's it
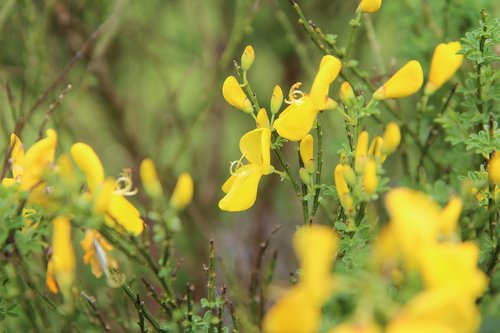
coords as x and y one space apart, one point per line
276 99
349 174
361 152
304 176
392 138
340 182
247 58
375 149
369 6
494 169
445 62
407 81
370 179
450 215
183 192
88 161
347 94
330 104
149 179
234 95
262 119
307 152
63 256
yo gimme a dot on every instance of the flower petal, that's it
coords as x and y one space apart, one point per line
243 191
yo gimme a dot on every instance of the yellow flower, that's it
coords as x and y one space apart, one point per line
298 118
441 308
262 118
361 152
445 62
247 58
407 81
306 150
241 187
118 211
276 99
149 179
404 324
96 248
453 265
356 327
369 6
234 95
183 192
494 169
347 94
293 313
61 267
375 149
342 189
370 179
299 310
392 138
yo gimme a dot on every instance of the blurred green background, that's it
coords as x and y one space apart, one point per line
146 81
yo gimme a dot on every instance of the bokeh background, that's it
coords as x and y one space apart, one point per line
146 81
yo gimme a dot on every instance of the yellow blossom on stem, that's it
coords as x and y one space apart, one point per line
445 62
241 187
183 192
342 189
117 210
347 94
494 169
407 81
234 95
375 149
247 58
276 99
369 6
392 138
149 179
298 118
306 150
361 152
262 119
62 266
370 179
299 310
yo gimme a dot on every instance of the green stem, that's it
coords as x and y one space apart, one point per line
305 208
142 310
307 26
319 166
355 24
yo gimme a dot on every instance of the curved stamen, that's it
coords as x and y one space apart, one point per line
294 94
124 184
235 165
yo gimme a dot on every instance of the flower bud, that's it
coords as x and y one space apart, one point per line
445 62
370 179
361 152
63 264
234 95
369 6
343 190
330 104
347 94
149 179
405 82
304 176
494 169
375 149
262 119
247 58
276 99
306 150
183 192
392 138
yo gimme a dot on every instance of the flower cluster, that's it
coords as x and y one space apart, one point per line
38 178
